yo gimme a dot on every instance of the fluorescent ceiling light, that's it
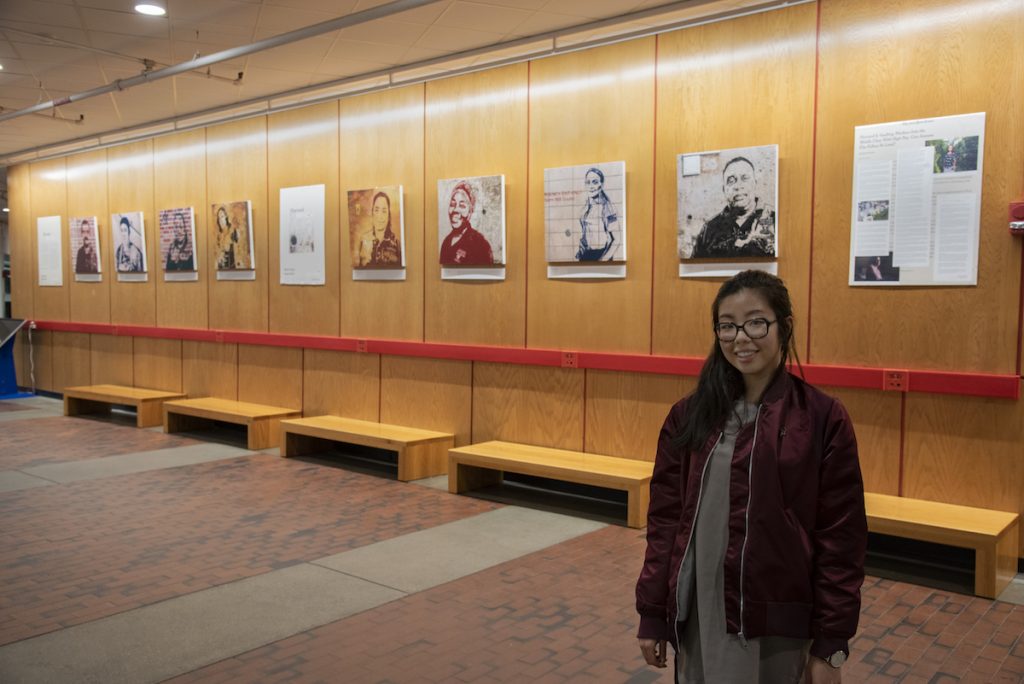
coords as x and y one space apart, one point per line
154 8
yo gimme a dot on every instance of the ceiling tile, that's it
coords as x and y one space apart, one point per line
38 12
452 39
389 31
593 9
259 82
303 56
275 20
345 50
543 22
127 23
477 17
426 15
335 7
224 13
48 54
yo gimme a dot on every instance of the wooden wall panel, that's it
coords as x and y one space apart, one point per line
528 404
270 375
625 411
588 107
476 125
179 168
130 188
921 58
111 360
157 364
876 421
41 355
87 196
965 451
209 369
71 360
50 198
432 394
303 150
702 77
236 170
382 144
341 384
22 228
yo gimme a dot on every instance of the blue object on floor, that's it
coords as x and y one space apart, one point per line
8 379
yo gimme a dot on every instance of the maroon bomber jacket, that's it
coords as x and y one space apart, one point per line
794 563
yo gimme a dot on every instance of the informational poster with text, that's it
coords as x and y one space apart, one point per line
916 208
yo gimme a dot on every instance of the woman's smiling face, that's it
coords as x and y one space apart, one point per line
756 359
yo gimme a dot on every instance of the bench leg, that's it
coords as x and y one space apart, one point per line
264 434
418 461
149 414
463 478
638 499
74 406
179 422
996 567
294 444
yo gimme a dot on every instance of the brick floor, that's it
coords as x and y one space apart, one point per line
565 614
40 441
76 552
8 406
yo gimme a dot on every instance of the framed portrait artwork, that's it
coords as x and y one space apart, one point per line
376 233
727 203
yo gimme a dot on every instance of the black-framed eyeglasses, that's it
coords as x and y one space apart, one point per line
755 329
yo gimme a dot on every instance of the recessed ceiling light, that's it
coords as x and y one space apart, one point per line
154 8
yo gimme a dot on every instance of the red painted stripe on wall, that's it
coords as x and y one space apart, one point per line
938 382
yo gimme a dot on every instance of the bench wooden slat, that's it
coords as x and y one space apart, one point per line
148 403
262 421
421 453
992 534
468 468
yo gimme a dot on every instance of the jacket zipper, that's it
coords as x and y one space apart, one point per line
746 522
700 492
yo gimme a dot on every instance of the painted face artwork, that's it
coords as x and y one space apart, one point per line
593 184
738 185
381 214
459 209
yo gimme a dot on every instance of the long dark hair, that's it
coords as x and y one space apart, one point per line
720 383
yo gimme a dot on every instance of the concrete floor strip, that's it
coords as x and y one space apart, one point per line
13 480
166 639
28 414
123 464
424 559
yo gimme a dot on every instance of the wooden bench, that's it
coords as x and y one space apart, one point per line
481 465
260 420
148 403
994 535
421 453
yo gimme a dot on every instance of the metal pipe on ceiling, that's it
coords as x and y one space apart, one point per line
346 21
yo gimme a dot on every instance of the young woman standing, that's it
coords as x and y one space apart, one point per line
756 529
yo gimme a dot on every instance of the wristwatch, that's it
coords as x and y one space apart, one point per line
837 659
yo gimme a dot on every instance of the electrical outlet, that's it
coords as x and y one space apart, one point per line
360 345
895 380
570 360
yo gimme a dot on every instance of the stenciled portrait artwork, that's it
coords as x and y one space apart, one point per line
585 212
232 236
376 231
85 245
129 235
727 203
178 239
471 221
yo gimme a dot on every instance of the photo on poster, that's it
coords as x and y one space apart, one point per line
727 203
178 239
232 236
873 210
376 228
85 246
876 269
129 236
585 213
955 155
471 221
